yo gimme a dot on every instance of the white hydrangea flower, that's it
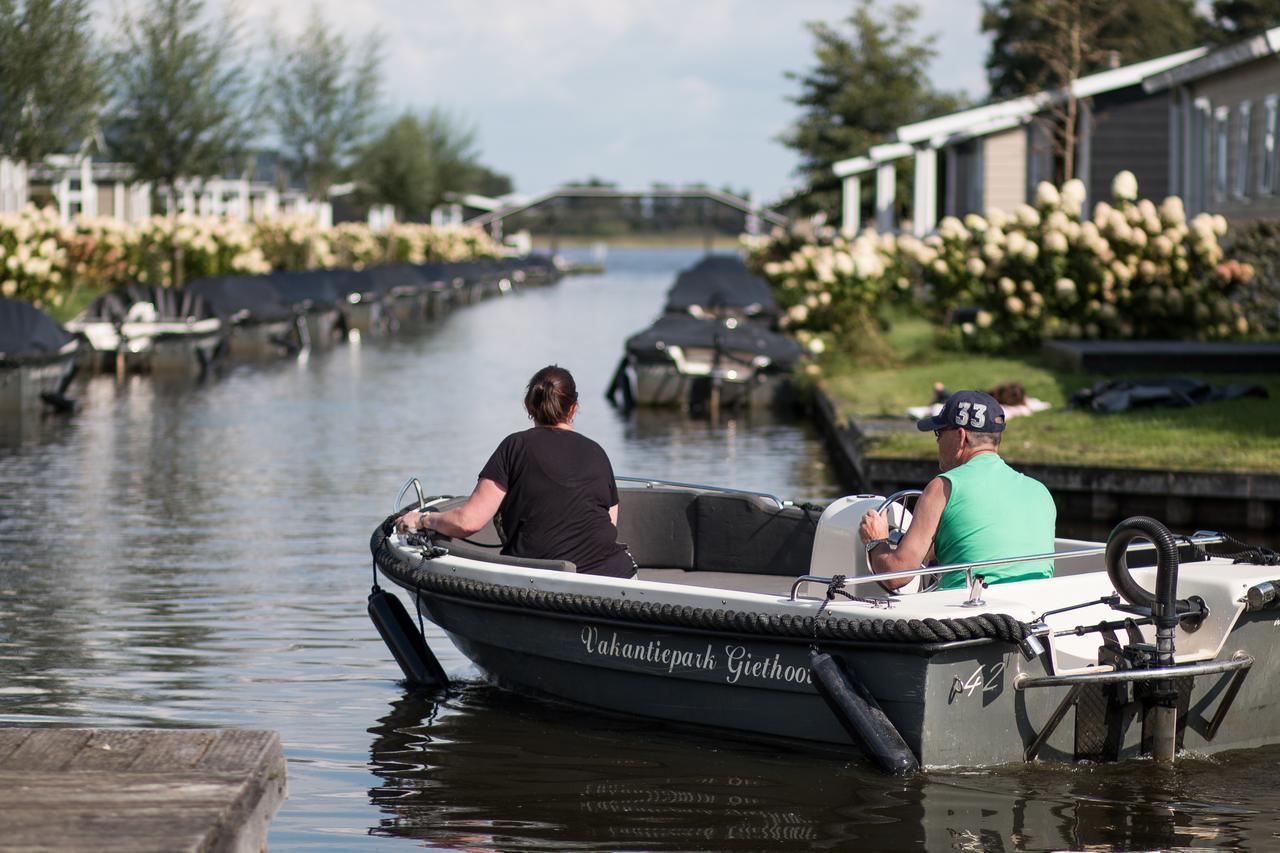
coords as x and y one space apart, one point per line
1056 242
984 319
1047 195
1073 196
1124 186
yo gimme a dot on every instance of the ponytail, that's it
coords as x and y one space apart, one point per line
550 396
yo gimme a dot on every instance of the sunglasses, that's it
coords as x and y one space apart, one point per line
937 433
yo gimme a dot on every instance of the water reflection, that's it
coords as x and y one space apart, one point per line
483 770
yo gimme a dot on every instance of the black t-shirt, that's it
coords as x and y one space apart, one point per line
559 488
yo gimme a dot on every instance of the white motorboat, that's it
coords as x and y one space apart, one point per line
760 617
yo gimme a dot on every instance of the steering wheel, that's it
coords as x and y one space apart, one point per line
898 529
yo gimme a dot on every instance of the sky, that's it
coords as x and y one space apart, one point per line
632 91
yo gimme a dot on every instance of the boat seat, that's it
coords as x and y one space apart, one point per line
466 550
673 528
658 526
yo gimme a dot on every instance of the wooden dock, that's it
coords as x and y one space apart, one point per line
138 789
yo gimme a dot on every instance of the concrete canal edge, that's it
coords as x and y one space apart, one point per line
1184 499
139 789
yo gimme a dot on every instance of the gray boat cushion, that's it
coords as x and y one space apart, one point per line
458 548
659 526
752 535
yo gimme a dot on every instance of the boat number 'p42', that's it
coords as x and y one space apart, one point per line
986 679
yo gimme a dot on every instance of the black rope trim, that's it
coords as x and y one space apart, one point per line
986 626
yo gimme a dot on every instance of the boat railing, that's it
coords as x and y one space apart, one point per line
650 483
417 487
1200 537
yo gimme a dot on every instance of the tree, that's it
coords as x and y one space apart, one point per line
51 76
184 99
869 79
418 158
322 92
1238 19
1024 34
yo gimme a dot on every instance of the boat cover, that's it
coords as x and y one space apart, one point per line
310 289
721 281
686 331
28 334
1118 395
243 298
170 304
392 279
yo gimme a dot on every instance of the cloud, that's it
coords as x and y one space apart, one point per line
659 90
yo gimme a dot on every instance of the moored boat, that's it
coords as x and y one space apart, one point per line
158 329
722 286
315 294
261 324
37 359
760 617
692 362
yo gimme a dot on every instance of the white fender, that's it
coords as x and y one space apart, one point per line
837 547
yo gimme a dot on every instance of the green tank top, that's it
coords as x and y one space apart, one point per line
995 512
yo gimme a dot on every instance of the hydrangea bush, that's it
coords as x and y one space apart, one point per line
829 285
1133 270
43 260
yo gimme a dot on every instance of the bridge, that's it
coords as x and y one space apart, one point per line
754 212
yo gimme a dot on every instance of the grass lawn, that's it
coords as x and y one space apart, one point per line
1233 435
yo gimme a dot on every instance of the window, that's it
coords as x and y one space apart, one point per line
1222 142
1244 150
1267 184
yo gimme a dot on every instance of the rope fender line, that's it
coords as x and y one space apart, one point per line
985 626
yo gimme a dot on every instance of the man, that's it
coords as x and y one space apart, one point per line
978 508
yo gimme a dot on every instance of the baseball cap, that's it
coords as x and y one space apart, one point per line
974 410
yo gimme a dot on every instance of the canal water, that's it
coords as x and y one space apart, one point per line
189 555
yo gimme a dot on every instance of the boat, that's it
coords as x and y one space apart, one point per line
261 323
37 359
705 362
152 328
759 618
722 286
314 294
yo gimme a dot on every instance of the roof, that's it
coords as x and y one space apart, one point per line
1001 115
1259 47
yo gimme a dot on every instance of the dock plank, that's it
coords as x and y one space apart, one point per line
139 790
49 749
11 739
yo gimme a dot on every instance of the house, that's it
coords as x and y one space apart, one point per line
993 156
1223 126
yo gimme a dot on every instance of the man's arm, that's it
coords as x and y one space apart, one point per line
464 520
613 514
917 543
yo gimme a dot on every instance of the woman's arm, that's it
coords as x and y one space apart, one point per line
613 515
462 521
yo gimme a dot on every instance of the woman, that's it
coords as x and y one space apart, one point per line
553 489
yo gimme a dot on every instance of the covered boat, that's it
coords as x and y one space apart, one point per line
160 329
692 362
260 321
316 295
37 359
405 291
722 286
760 617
